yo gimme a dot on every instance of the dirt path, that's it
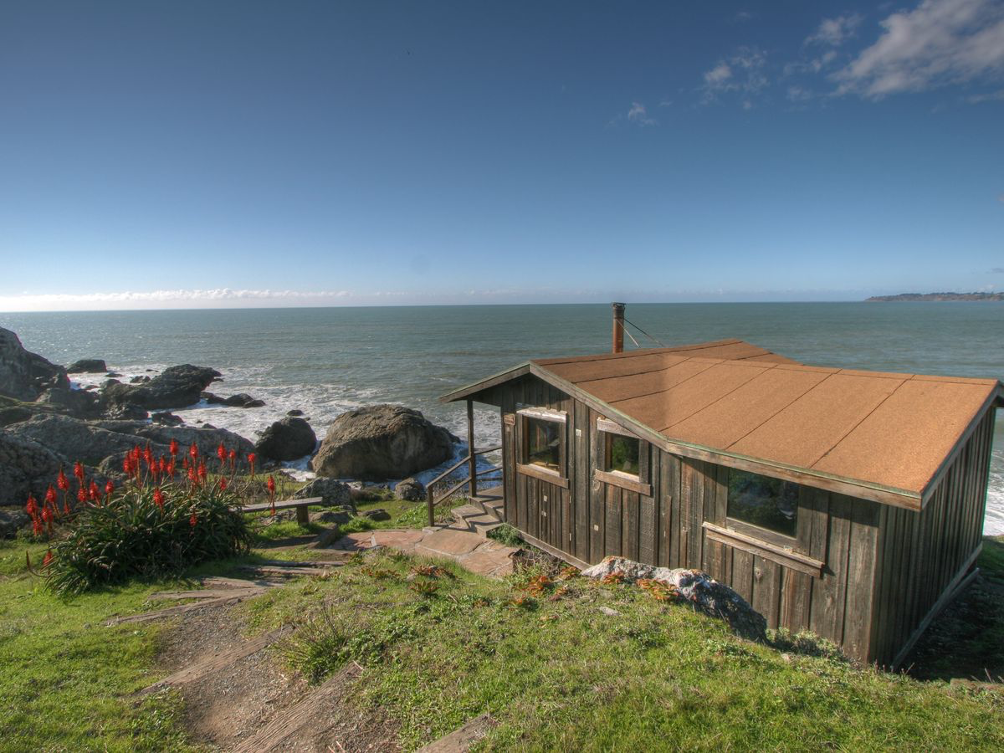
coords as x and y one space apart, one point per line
255 703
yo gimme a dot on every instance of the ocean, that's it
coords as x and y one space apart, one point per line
326 361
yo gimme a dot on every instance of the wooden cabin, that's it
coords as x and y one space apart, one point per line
845 502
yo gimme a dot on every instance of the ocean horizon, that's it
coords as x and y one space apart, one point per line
328 360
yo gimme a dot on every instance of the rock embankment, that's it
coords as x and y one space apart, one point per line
25 375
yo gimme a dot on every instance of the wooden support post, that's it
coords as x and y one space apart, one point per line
431 503
302 515
618 344
472 459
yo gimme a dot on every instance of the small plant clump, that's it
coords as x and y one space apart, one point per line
170 514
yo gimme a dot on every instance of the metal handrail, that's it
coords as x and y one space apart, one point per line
472 482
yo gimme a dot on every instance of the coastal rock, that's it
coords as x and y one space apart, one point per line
126 411
331 491
84 366
25 375
25 467
206 439
13 414
79 403
287 439
294 412
11 521
377 514
381 442
166 418
175 387
212 398
698 588
243 400
75 439
410 489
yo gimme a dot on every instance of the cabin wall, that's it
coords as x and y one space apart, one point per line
924 554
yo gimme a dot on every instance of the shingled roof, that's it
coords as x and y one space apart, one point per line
884 435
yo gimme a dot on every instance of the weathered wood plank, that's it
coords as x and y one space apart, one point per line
742 574
829 591
861 580
238 595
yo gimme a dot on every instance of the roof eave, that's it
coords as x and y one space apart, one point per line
496 379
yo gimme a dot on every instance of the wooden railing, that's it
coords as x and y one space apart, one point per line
471 480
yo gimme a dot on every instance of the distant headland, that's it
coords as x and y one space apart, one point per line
940 297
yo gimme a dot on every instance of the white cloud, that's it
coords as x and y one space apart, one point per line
975 99
742 73
835 31
163 298
799 94
638 114
938 43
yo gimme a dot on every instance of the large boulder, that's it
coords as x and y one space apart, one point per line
83 366
698 588
331 491
381 442
175 387
25 375
25 467
286 440
11 520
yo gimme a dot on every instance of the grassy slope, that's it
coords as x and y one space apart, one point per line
556 674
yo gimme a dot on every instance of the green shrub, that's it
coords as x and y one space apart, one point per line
132 536
507 534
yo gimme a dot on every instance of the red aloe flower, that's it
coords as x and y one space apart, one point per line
78 470
223 484
66 508
270 485
184 463
171 468
173 446
148 456
109 489
221 452
193 451
252 457
193 520
48 516
62 482
158 498
81 496
162 465
47 559
36 526
50 495
192 477
32 506
127 465
202 471
94 493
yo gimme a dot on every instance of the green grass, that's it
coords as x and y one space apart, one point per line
561 675
64 676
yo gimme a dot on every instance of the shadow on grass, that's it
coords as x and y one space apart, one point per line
967 639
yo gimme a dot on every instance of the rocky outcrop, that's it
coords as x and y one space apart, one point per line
241 400
77 440
25 467
11 521
175 387
410 489
381 442
84 366
79 403
696 587
331 491
286 440
25 375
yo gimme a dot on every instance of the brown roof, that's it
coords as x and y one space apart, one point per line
876 429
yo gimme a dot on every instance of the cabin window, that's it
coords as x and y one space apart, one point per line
542 440
763 502
621 453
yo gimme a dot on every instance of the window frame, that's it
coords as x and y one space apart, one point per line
770 536
559 476
639 482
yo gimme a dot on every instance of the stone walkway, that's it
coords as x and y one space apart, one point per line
470 549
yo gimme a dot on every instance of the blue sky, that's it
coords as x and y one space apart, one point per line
268 154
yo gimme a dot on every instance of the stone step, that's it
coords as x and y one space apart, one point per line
473 518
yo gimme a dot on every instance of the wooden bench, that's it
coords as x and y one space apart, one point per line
302 516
